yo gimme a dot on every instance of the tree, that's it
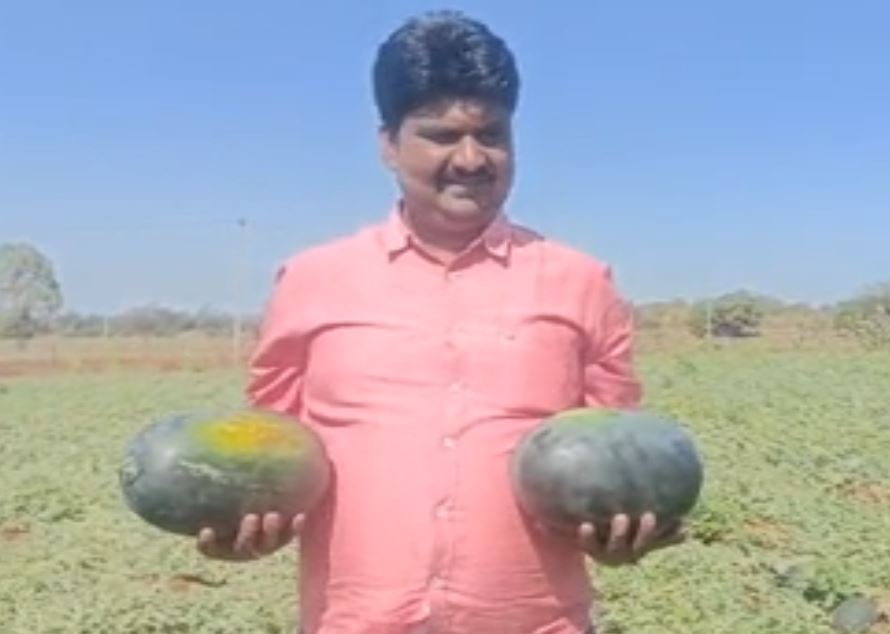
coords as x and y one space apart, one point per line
866 317
152 320
30 295
736 314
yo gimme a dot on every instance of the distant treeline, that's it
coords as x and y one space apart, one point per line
732 315
31 303
865 317
152 320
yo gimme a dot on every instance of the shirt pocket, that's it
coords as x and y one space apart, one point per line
540 367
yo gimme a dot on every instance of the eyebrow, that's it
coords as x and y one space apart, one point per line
437 126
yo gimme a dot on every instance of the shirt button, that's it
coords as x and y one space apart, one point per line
457 386
448 442
442 511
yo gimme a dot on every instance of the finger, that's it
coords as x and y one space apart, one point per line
645 533
271 533
589 539
618 534
207 545
245 543
291 530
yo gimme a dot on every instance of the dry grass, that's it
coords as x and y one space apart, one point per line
59 355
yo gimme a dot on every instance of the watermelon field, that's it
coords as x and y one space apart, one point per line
794 516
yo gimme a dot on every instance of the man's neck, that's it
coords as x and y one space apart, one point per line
446 248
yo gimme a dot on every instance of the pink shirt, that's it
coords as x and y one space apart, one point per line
421 379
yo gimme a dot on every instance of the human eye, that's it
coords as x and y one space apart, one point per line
440 136
495 135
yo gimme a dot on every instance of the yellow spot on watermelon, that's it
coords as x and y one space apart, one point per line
249 433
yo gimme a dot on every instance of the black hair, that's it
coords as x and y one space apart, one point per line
442 54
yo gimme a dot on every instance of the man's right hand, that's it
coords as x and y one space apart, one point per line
257 537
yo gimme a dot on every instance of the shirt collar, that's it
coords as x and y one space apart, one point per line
397 235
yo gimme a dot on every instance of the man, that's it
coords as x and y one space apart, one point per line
422 350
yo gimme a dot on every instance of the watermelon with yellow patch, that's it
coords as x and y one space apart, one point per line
188 471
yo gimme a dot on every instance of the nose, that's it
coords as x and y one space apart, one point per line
469 158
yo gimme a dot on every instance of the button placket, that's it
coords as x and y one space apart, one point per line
455 388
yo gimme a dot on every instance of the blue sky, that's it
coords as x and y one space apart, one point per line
697 146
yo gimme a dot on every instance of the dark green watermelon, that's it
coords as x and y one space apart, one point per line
189 471
855 615
588 465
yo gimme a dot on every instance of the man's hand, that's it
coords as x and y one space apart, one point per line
619 544
257 536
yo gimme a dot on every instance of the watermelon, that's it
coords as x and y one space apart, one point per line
588 465
855 615
191 470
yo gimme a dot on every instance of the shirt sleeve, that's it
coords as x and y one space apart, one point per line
278 361
610 379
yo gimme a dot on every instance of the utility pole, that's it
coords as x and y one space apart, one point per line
709 322
239 279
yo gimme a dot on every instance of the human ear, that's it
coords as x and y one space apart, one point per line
388 147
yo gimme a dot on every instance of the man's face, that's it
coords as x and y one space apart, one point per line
454 163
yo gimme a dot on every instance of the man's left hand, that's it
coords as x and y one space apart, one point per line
621 545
